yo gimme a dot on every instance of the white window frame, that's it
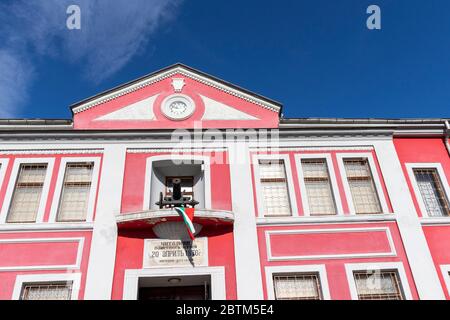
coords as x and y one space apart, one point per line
60 181
376 180
289 180
50 162
177 157
445 269
3 167
132 276
333 181
381 266
316 268
75 278
424 165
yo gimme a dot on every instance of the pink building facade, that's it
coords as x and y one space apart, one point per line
288 208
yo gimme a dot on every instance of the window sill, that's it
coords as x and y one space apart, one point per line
435 221
326 219
57 226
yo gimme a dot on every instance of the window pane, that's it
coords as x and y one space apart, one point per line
362 187
274 188
378 285
47 291
27 193
74 201
318 187
432 192
297 287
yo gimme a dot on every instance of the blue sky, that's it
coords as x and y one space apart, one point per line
315 56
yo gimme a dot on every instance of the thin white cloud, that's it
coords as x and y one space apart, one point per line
15 78
112 33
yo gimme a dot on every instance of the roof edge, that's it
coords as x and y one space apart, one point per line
78 105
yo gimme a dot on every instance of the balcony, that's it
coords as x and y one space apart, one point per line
166 223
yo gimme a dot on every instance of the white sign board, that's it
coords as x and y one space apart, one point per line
160 253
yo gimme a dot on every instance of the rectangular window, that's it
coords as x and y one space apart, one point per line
304 286
378 285
362 187
76 189
318 187
432 192
47 291
27 193
274 188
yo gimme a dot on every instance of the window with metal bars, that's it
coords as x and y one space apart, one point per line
47 291
274 188
301 286
27 193
378 285
432 192
362 187
318 187
74 201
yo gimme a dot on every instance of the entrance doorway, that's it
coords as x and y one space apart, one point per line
175 288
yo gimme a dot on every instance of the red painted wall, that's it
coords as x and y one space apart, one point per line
428 150
40 253
330 244
130 244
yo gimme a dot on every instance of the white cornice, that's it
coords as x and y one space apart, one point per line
51 151
166 74
176 150
325 148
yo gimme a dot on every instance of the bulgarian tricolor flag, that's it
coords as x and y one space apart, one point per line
188 217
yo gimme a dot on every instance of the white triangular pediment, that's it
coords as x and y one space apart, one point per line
215 110
141 110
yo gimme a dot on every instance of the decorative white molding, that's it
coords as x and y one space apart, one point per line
438 166
215 110
75 278
297 269
178 84
50 151
155 216
336 219
397 266
376 179
289 179
60 181
176 150
75 266
332 175
386 230
445 269
102 257
12 184
249 280
167 74
175 157
45 227
312 148
131 282
140 110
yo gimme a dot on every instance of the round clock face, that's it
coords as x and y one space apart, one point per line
178 107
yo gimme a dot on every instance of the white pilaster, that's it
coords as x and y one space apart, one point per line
414 241
246 250
103 248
